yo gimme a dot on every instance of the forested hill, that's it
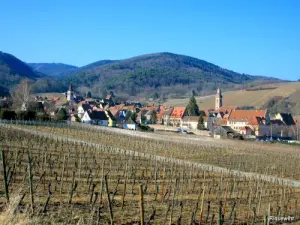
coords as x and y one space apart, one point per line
159 74
60 70
164 73
13 70
53 69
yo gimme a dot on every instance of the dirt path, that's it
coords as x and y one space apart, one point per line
207 167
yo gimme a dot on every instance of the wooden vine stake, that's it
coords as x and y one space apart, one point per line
141 204
5 175
48 198
172 205
62 175
30 182
124 189
201 207
102 183
109 202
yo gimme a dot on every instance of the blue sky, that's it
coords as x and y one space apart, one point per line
259 37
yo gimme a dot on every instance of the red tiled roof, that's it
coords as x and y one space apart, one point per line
253 121
223 121
150 108
178 112
114 112
227 109
129 107
162 110
55 99
297 120
117 107
160 114
246 115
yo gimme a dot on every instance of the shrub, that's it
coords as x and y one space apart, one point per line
145 128
7 114
42 116
62 114
26 115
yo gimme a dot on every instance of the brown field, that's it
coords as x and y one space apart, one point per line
278 160
243 97
51 95
172 193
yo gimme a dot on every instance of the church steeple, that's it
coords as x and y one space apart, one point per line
219 99
70 94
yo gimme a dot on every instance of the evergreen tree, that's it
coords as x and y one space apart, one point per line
104 93
153 117
131 115
155 95
88 94
194 93
200 125
134 116
192 108
201 113
62 114
128 115
112 94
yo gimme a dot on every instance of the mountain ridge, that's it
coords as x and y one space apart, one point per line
149 72
13 70
52 69
162 74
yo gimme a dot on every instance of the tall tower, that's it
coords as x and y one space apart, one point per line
219 100
70 94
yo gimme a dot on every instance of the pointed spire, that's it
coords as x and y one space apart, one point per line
218 100
219 92
70 87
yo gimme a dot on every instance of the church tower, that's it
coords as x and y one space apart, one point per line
219 100
70 94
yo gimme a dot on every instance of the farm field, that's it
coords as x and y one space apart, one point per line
242 97
62 181
61 96
278 160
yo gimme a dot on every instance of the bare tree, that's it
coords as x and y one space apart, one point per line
21 95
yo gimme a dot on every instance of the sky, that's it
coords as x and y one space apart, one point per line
257 37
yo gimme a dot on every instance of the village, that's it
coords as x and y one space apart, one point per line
220 122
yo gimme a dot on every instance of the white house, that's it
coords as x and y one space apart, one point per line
130 124
286 118
82 108
239 119
189 122
96 118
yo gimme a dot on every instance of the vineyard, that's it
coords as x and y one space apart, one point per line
255 97
58 180
269 159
